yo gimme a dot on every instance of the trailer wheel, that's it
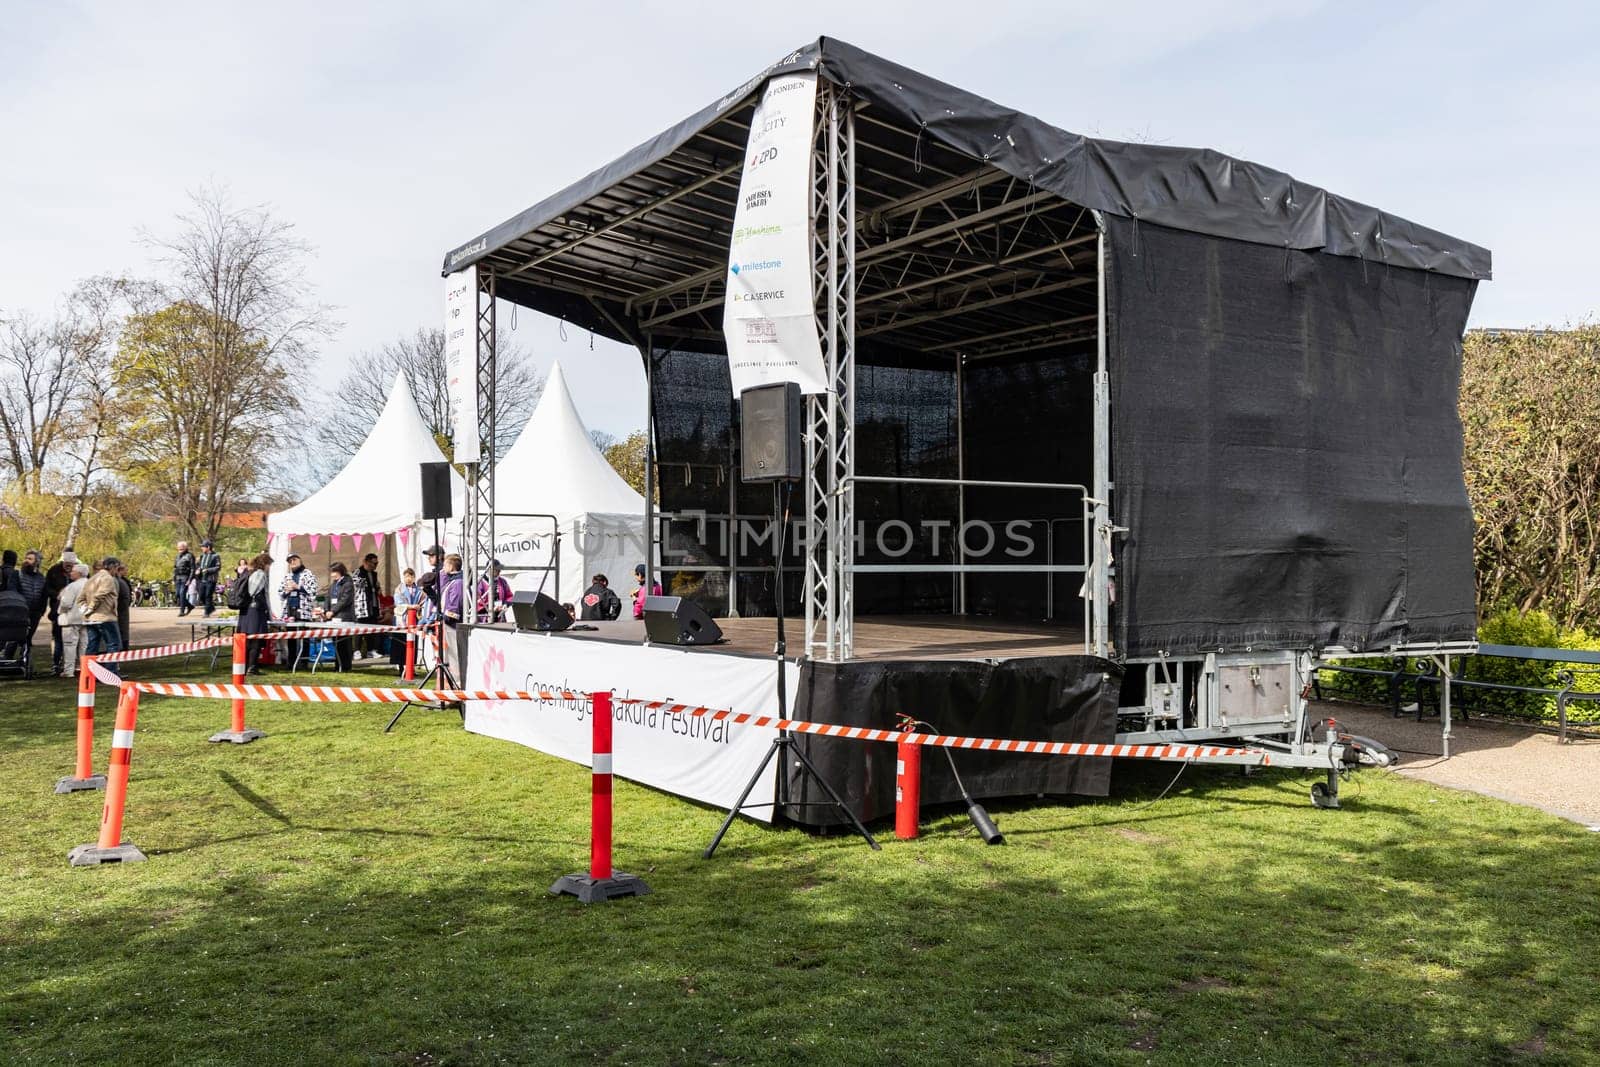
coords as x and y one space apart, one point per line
1323 797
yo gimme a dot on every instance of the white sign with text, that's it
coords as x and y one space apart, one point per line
692 756
461 359
769 317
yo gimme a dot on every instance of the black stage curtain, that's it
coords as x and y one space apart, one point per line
1286 447
1054 698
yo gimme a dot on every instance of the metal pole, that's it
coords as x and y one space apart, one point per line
1100 587
835 543
1444 703
846 582
730 529
478 546
649 464
961 490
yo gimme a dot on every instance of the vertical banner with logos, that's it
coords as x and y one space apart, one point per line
769 318
461 358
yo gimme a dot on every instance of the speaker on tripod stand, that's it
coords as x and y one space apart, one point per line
770 429
435 506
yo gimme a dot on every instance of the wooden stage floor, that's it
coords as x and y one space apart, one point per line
881 637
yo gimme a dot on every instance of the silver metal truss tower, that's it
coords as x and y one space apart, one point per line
829 534
478 544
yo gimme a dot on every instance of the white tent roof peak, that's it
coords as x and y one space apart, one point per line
554 467
380 488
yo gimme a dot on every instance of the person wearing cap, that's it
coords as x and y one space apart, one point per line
428 581
70 608
640 593
206 568
99 598
502 593
56 579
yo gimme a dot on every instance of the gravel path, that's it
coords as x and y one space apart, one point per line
1511 763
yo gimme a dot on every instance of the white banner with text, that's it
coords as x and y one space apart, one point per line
769 317
461 359
692 756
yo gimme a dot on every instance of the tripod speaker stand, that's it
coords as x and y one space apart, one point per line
770 443
435 505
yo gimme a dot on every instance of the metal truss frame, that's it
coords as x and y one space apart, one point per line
478 543
830 422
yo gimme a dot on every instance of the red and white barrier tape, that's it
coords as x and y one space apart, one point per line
101 675
337 631
161 651
339 694
321 694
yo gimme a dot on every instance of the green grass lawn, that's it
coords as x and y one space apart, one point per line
336 895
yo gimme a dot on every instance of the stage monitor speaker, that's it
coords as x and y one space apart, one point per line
538 611
770 433
676 620
435 490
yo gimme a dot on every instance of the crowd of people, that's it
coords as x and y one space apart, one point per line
88 605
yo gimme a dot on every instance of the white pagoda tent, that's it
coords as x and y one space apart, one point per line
555 470
373 505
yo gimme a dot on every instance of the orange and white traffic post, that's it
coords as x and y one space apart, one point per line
239 735
83 777
410 673
601 883
111 848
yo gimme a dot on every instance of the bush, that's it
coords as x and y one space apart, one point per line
1534 629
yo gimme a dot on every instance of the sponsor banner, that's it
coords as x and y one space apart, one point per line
769 317
461 358
693 756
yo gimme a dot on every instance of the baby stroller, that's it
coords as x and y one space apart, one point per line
16 655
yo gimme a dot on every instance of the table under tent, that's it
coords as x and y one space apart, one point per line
1206 411
374 504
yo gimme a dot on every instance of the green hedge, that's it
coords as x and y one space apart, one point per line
1533 630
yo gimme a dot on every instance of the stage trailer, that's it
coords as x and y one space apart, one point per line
1194 413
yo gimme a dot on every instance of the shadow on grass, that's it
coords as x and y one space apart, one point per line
792 949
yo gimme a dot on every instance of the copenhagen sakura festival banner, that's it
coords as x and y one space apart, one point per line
461 358
692 756
769 317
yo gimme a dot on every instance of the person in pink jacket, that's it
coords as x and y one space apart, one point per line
639 594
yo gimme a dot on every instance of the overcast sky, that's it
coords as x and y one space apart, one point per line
391 132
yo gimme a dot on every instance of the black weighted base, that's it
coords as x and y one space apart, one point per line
94 855
599 890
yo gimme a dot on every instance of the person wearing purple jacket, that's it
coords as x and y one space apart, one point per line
451 602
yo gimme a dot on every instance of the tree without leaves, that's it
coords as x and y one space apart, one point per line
203 370
420 359
93 323
39 387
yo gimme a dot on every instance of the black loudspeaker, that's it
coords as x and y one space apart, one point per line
769 433
674 620
435 490
538 611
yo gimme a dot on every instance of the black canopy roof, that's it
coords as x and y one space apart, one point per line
641 244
